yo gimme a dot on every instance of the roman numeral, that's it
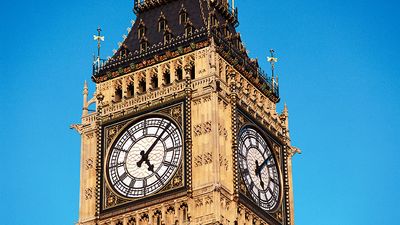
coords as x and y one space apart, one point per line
123 176
159 178
168 164
117 165
132 183
172 148
120 149
274 181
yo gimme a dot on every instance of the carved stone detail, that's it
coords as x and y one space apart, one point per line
90 135
198 202
222 131
88 193
89 164
223 162
203 159
202 128
207 98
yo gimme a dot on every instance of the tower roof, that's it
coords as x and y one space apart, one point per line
165 29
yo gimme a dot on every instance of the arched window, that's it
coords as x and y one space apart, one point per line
167 77
213 20
131 221
118 94
167 37
142 85
192 73
183 16
143 46
162 24
154 82
130 90
141 31
179 74
188 30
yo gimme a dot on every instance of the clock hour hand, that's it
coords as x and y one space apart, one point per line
257 171
259 168
150 166
145 155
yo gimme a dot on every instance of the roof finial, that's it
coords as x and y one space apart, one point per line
285 110
85 102
99 39
272 60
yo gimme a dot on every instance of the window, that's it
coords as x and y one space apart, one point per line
192 73
188 30
179 74
141 31
214 21
143 46
142 85
167 37
185 214
118 94
162 23
167 77
154 81
131 221
183 16
131 90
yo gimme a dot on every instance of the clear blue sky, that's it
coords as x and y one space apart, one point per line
339 74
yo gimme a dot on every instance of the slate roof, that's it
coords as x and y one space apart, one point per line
199 13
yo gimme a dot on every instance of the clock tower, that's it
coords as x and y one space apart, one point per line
185 128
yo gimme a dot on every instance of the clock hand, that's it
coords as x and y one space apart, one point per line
150 166
145 155
258 170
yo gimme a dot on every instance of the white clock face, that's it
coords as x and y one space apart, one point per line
258 168
145 157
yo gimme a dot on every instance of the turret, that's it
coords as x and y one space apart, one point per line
85 102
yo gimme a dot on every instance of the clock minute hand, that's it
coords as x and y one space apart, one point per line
145 155
259 168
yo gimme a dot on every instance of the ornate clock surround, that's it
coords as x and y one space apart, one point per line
276 145
112 129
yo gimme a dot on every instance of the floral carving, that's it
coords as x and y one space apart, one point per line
89 135
202 128
197 130
222 131
198 161
208 200
223 162
203 159
207 158
89 164
198 202
88 193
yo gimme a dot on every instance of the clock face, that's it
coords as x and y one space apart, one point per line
144 157
258 168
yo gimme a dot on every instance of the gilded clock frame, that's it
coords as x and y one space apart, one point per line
174 112
276 146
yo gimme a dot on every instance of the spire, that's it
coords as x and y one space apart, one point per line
85 102
285 110
284 116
